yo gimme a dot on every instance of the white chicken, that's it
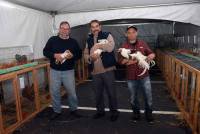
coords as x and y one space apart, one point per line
63 55
142 59
125 52
102 41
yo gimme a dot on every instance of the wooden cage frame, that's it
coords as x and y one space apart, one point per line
183 82
81 76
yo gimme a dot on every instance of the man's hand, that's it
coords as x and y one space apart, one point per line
58 57
69 54
128 61
97 46
124 61
94 57
131 62
150 57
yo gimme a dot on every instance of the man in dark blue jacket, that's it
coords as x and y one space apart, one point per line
102 66
62 51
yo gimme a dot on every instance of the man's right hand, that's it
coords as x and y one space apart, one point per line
58 57
94 56
128 62
124 61
131 62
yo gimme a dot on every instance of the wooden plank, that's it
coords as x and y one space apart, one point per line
16 92
79 70
1 121
173 77
196 105
177 80
7 76
36 90
83 69
183 86
192 99
186 88
15 89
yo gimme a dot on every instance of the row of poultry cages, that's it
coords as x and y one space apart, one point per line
23 94
183 81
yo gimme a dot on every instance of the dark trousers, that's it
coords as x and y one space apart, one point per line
105 81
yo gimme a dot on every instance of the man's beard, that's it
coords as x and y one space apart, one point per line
65 36
132 42
96 32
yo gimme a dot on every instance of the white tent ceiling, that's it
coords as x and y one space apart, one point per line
79 12
90 5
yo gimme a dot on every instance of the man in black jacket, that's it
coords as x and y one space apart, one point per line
62 51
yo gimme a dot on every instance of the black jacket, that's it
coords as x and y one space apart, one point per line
57 45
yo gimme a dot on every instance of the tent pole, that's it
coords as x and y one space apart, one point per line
53 14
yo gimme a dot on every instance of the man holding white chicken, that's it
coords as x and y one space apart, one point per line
63 51
101 59
137 79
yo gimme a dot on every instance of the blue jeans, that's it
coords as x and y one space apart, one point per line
68 80
145 86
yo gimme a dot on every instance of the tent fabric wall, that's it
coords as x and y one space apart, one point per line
22 26
188 13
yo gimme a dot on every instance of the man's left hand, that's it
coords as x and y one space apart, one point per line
69 54
150 57
97 46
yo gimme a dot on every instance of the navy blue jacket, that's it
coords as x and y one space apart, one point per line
108 58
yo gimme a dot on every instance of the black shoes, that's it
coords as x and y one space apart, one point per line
149 117
99 115
135 117
75 114
54 116
114 116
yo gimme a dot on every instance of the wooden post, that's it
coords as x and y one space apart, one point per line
192 99
1 120
17 96
186 89
83 70
79 71
196 105
182 86
177 80
36 90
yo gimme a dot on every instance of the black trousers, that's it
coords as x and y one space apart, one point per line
105 81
